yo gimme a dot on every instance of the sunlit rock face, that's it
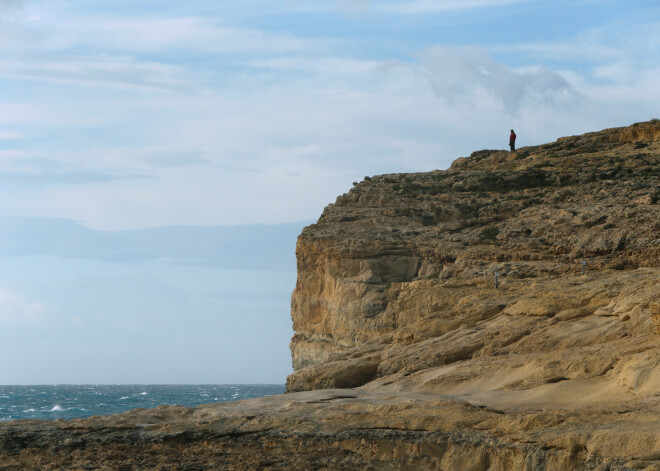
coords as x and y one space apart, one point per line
398 275
397 288
655 313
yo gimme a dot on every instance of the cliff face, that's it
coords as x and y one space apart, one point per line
396 289
398 275
407 356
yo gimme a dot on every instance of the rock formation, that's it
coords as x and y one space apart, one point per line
408 356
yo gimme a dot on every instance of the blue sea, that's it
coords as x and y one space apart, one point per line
75 401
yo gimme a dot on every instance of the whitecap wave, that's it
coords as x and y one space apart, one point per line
56 408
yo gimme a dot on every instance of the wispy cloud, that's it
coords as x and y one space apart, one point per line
47 30
12 135
616 41
19 113
255 247
17 309
19 169
417 7
613 64
187 33
470 73
399 7
99 71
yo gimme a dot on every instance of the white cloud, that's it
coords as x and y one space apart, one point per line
11 154
613 66
399 7
12 136
99 71
16 309
620 43
49 31
44 44
169 34
460 74
416 7
21 113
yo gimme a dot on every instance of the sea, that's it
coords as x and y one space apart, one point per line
52 402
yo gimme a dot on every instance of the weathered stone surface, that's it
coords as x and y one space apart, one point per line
379 428
395 304
400 260
427 246
655 313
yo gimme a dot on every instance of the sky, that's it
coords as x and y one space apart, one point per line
158 158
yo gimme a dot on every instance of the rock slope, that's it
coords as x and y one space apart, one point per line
407 356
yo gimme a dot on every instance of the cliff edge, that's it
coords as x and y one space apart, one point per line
398 276
501 315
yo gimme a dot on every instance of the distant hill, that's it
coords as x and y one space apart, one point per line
256 246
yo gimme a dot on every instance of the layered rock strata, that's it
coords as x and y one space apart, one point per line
526 282
408 356
407 258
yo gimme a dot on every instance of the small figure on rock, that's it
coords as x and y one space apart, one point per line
512 141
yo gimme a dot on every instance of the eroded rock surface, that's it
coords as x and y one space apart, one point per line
396 283
407 356
405 257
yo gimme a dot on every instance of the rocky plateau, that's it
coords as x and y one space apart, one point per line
503 314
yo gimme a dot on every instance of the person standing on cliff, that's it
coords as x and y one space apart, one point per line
512 141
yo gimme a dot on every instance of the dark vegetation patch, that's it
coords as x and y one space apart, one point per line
490 233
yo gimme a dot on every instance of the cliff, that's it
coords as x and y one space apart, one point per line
406 354
398 275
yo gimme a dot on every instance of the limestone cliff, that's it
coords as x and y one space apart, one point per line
398 275
406 354
396 290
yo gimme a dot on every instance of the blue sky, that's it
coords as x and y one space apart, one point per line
122 116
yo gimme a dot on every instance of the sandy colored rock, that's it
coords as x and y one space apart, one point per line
550 338
655 314
409 258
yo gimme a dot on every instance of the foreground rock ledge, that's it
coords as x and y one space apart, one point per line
341 429
405 354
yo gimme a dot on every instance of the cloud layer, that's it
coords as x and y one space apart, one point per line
15 308
214 115
252 247
470 74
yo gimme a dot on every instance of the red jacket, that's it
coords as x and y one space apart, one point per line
512 138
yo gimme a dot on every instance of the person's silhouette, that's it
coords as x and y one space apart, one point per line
512 141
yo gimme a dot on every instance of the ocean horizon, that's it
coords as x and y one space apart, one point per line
73 401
